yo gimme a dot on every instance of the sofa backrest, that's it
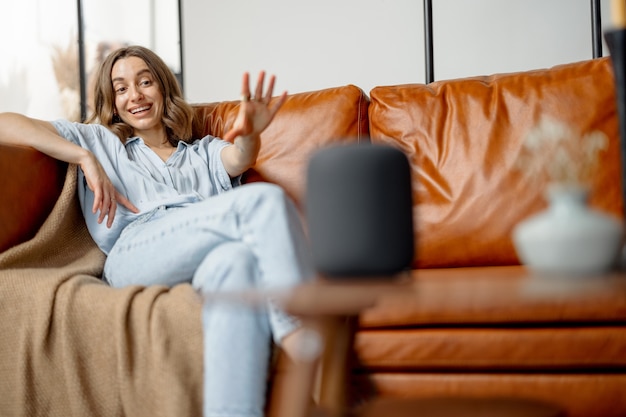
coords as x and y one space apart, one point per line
306 123
463 138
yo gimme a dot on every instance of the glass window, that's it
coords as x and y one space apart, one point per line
40 71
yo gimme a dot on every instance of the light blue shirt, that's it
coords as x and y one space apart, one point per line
192 173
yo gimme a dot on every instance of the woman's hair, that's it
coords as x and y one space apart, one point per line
177 114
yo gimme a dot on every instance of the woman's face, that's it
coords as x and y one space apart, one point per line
138 99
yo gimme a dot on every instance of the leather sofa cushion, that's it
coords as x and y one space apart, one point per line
478 348
306 123
463 138
578 394
31 183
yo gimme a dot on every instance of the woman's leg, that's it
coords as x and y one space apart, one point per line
168 248
176 245
237 339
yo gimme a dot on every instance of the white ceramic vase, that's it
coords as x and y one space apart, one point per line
569 237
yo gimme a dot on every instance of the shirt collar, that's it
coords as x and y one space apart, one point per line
135 138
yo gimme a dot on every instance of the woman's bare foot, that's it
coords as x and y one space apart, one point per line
303 344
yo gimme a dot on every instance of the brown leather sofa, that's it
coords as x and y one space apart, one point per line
476 323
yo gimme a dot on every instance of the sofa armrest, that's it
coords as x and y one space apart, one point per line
30 183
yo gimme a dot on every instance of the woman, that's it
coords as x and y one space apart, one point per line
175 212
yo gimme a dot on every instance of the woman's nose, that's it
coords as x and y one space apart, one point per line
135 94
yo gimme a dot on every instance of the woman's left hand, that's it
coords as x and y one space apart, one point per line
257 111
255 114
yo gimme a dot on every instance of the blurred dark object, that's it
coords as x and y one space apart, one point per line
359 209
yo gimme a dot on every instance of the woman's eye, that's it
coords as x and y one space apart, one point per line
145 83
120 90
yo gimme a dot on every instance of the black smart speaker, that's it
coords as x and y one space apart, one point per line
359 211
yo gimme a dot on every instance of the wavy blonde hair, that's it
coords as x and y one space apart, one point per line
177 113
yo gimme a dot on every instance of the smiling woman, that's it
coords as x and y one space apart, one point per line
133 87
166 208
139 103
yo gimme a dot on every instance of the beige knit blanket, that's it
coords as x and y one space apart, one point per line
73 346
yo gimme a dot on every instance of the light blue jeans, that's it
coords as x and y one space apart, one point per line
250 237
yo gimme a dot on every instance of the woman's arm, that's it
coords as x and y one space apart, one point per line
255 114
19 130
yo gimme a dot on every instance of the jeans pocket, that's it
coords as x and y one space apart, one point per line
141 219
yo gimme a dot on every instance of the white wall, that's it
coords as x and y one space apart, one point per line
324 43
487 36
309 44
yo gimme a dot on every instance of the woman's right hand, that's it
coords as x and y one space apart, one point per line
106 197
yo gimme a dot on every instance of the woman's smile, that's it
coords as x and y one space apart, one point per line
140 110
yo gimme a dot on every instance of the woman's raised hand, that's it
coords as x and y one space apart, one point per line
255 114
256 111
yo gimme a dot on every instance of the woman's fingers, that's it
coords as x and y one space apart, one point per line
107 201
97 199
278 104
126 203
245 87
100 202
258 93
270 89
106 197
105 205
255 112
111 212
